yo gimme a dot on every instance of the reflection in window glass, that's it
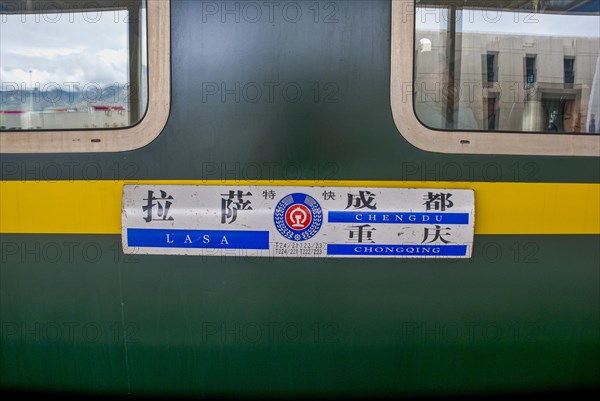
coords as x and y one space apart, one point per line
522 65
82 66
569 72
530 71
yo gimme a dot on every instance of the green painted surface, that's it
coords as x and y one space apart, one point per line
77 315
340 128
520 315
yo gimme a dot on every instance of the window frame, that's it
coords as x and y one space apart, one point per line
464 142
495 70
158 32
569 75
526 75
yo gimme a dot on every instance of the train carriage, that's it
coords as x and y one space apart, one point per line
305 149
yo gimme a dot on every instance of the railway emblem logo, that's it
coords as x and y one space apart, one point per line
298 217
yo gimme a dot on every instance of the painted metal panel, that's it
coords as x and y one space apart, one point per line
297 221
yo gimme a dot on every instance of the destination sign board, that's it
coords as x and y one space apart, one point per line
286 221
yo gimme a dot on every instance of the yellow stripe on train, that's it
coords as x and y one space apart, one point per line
85 207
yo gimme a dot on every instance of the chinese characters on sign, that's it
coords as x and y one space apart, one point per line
298 221
157 208
364 199
231 203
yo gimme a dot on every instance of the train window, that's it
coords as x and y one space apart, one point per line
89 76
503 77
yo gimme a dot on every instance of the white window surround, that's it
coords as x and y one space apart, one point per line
114 140
472 142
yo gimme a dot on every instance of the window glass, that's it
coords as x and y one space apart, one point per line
512 65
530 71
72 64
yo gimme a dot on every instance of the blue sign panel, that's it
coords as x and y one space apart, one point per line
214 239
398 218
397 250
